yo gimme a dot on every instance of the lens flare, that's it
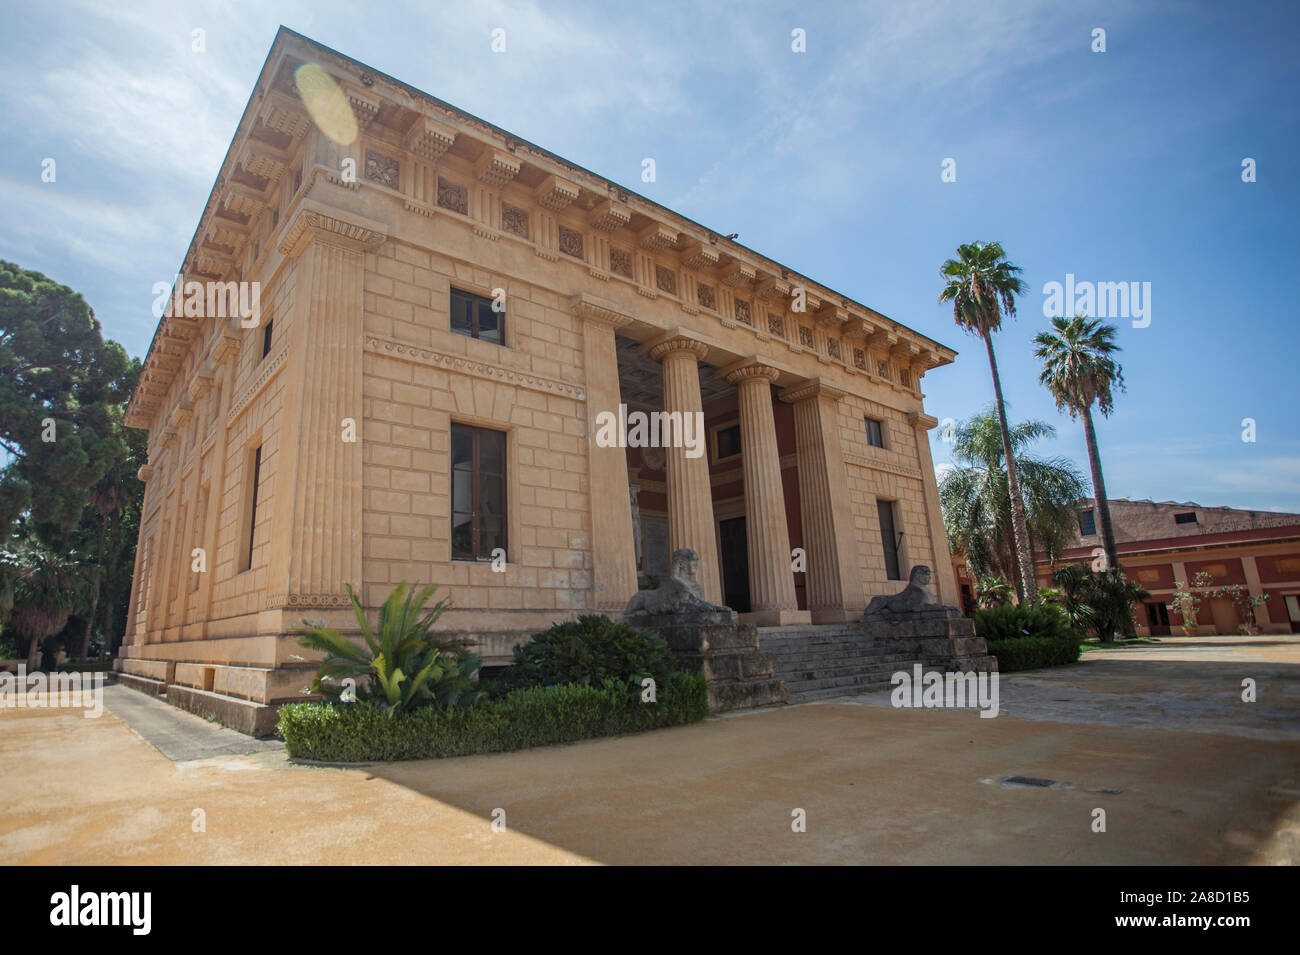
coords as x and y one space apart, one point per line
327 103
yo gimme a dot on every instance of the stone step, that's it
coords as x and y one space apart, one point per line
843 640
848 668
805 696
839 653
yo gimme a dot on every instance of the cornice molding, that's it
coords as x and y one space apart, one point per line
478 369
314 219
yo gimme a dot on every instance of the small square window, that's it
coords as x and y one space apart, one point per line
875 433
1087 523
474 316
728 441
1187 517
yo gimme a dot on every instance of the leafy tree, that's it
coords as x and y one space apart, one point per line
976 497
1079 371
60 384
982 286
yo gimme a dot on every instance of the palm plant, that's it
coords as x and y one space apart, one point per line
41 590
1101 602
977 501
993 593
982 285
402 664
1079 370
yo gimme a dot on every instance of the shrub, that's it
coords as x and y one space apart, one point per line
1016 621
1032 653
538 716
405 665
589 651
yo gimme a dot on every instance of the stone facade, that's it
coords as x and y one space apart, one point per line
312 446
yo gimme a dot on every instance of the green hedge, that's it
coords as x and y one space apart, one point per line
1031 653
359 732
1015 622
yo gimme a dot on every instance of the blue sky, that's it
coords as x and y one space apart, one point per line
1115 166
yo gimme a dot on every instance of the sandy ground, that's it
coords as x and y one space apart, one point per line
1156 736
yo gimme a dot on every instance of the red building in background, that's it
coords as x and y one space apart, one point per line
1162 542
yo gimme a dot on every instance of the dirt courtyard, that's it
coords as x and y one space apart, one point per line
1156 736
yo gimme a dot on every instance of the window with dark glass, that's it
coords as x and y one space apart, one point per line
472 315
728 441
889 539
478 492
1186 518
1087 523
266 337
875 433
250 525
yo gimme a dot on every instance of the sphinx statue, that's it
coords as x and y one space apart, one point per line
912 601
679 594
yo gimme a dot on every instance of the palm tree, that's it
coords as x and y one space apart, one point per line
1078 370
982 285
993 593
976 499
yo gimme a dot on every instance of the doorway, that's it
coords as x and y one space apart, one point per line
1225 617
734 557
1158 619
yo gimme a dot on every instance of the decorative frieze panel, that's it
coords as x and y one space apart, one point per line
859 359
776 324
620 262
806 337
477 369
514 220
882 369
453 196
571 242
666 279
743 313
382 169
708 297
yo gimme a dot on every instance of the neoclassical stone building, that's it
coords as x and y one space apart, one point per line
445 310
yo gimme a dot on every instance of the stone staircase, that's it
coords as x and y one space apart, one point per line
831 660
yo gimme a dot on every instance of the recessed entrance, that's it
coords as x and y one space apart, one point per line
734 557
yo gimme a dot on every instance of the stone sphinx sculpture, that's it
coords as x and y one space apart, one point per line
915 600
679 595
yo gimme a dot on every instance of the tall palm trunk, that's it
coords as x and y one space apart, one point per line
1019 525
1099 492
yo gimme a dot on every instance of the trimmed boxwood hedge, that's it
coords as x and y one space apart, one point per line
1032 653
361 732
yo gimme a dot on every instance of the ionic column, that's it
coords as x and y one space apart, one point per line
943 578
834 584
690 496
771 580
612 535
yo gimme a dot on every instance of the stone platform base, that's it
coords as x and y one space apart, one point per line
938 640
739 674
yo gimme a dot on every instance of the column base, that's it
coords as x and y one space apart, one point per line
776 618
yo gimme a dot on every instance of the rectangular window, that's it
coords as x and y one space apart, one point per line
1187 518
266 337
1087 523
478 492
250 524
875 433
728 442
889 539
472 315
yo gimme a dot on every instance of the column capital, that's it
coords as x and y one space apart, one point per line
599 310
810 388
313 219
748 369
678 344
